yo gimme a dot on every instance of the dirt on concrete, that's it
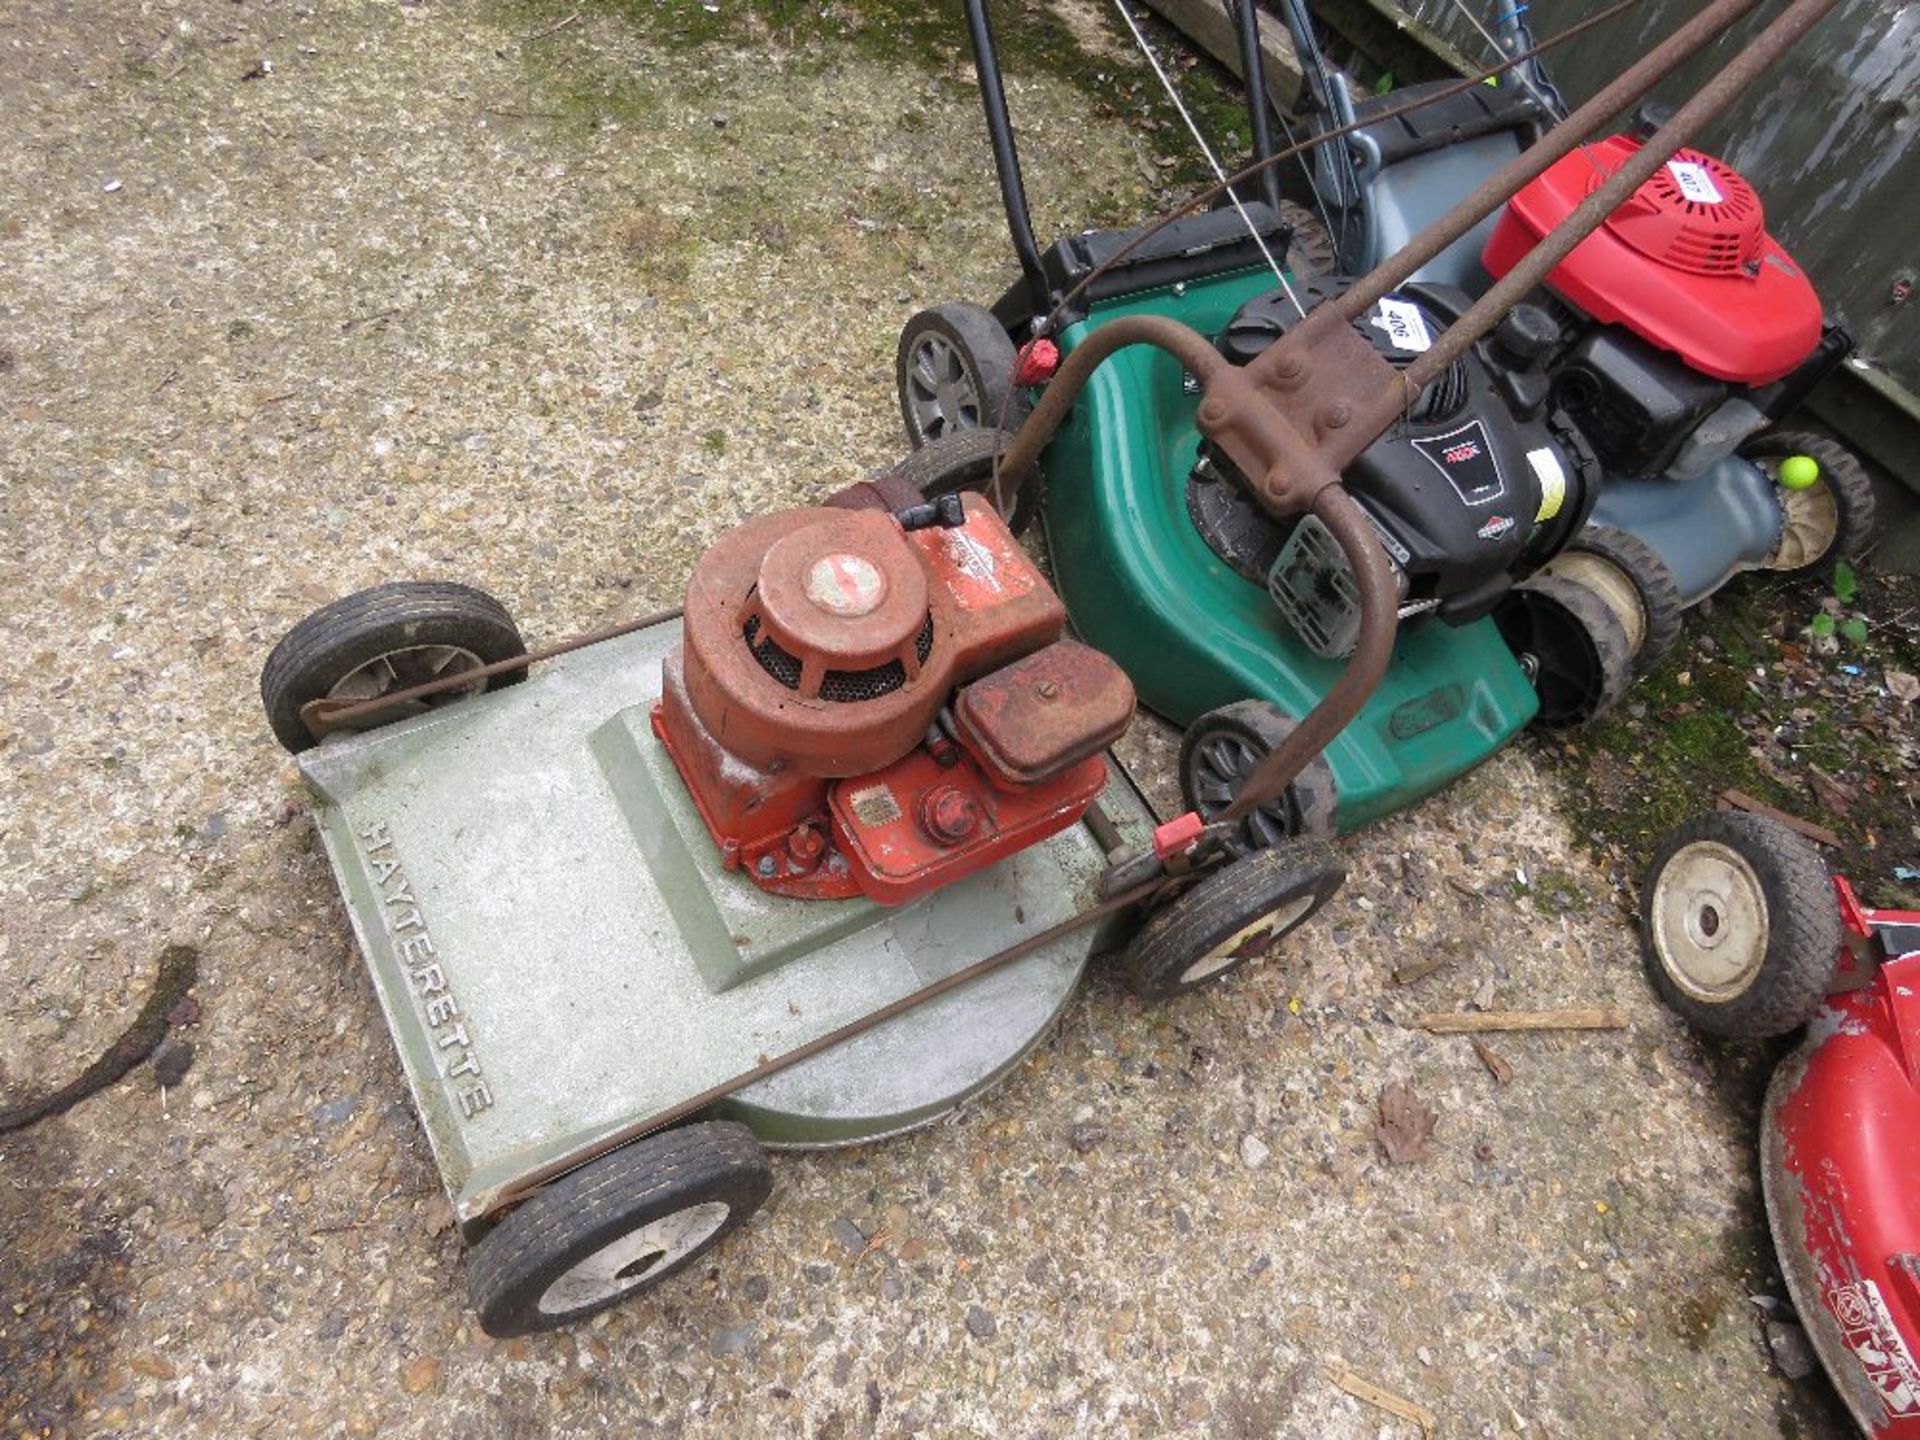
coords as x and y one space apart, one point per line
295 299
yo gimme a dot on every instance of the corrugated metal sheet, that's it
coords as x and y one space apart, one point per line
1829 142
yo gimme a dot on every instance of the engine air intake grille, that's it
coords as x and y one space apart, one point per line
839 687
1697 214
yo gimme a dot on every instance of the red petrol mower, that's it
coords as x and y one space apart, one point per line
1746 935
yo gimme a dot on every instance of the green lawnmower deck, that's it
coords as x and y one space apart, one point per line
561 956
1142 585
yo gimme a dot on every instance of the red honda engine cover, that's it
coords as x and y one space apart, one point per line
1686 263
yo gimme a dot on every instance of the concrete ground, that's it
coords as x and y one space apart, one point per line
295 299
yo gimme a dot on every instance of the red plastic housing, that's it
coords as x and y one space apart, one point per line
1686 263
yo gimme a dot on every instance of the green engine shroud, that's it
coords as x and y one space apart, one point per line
1141 584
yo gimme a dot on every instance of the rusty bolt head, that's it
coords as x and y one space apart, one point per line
1046 689
804 847
1336 415
1212 410
949 814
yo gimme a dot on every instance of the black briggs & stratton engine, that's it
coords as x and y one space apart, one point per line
1478 485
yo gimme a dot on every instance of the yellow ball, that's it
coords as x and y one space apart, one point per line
1799 472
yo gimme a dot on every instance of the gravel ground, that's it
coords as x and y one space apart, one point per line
295 300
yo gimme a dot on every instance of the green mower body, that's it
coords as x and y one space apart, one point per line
1141 584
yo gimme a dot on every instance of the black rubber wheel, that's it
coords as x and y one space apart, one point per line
1573 647
1739 925
964 460
384 639
1829 522
1233 916
616 1226
954 371
1310 250
1219 751
1636 584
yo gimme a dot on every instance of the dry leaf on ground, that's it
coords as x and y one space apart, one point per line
1405 1128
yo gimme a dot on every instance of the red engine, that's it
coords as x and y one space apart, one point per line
862 708
1686 264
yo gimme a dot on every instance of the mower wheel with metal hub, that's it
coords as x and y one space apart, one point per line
1739 927
1634 582
616 1226
1233 916
1220 750
384 640
955 372
1827 516
966 460
1572 647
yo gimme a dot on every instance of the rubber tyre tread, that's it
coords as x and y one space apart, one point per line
1609 639
337 639
1226 901
987 352
1310 249
1652 577
1845 478
559 1224
964 461
1804 933
1311 796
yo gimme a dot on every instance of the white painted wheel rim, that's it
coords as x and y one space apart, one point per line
1809 524
1709 920
630 1261
1613 586
1227 952
406 667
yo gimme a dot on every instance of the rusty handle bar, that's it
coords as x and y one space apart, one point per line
1372 652
1338 511
1260 168
912 1000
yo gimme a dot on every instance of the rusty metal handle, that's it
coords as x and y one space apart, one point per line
323 716
1185 344
1379 621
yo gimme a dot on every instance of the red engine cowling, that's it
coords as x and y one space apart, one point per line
1686 263
858 709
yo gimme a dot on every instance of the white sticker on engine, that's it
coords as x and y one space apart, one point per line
1406 327
1694 182
1553 482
